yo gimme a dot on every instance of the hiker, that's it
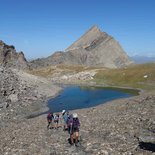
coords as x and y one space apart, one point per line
73 128
49 120
56 120
65 115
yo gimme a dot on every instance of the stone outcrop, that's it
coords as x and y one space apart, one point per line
72 78
10 58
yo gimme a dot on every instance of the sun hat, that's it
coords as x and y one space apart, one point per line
75 115
63 111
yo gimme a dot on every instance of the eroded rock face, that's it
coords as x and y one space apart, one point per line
10 58
96 48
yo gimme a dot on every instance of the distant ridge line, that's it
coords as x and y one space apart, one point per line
93 49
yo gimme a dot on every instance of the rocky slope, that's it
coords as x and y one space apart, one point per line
22 93
10 58
56 58
94 48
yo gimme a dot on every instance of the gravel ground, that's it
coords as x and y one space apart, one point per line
119 127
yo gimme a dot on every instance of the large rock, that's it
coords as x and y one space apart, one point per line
10 58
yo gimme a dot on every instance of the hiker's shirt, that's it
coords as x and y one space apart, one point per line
69 121
61 118
49 117
73 125
56 119
65 118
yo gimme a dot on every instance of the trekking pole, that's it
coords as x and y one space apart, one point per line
71 133
80 139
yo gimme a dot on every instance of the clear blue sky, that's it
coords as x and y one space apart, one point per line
41 27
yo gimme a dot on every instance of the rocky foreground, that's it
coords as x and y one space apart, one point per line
119 127
22 94
125 126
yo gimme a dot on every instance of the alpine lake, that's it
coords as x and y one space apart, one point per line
77 97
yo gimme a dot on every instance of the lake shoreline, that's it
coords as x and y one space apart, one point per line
60 86
83 96
44 107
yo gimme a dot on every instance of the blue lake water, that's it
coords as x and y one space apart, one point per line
78 97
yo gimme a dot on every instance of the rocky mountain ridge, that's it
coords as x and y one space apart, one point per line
95 48
143 59
10 58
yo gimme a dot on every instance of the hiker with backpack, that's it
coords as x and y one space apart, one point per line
65 115
73 128
49 120
56 120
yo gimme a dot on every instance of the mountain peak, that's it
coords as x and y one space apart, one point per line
94 27
97 48
86 39
93 48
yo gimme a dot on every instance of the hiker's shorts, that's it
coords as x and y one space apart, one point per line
64 122
49 121
56 121
71 130
75 129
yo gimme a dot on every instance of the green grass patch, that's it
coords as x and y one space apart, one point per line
134 76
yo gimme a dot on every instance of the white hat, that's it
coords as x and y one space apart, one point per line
75 115
63 111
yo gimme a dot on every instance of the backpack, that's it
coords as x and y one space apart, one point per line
70 121
49 116
65 117
76 123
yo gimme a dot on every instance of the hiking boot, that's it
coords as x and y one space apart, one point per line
71 144
77 144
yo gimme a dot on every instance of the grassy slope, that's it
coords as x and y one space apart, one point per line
50 70
130 76
127 77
